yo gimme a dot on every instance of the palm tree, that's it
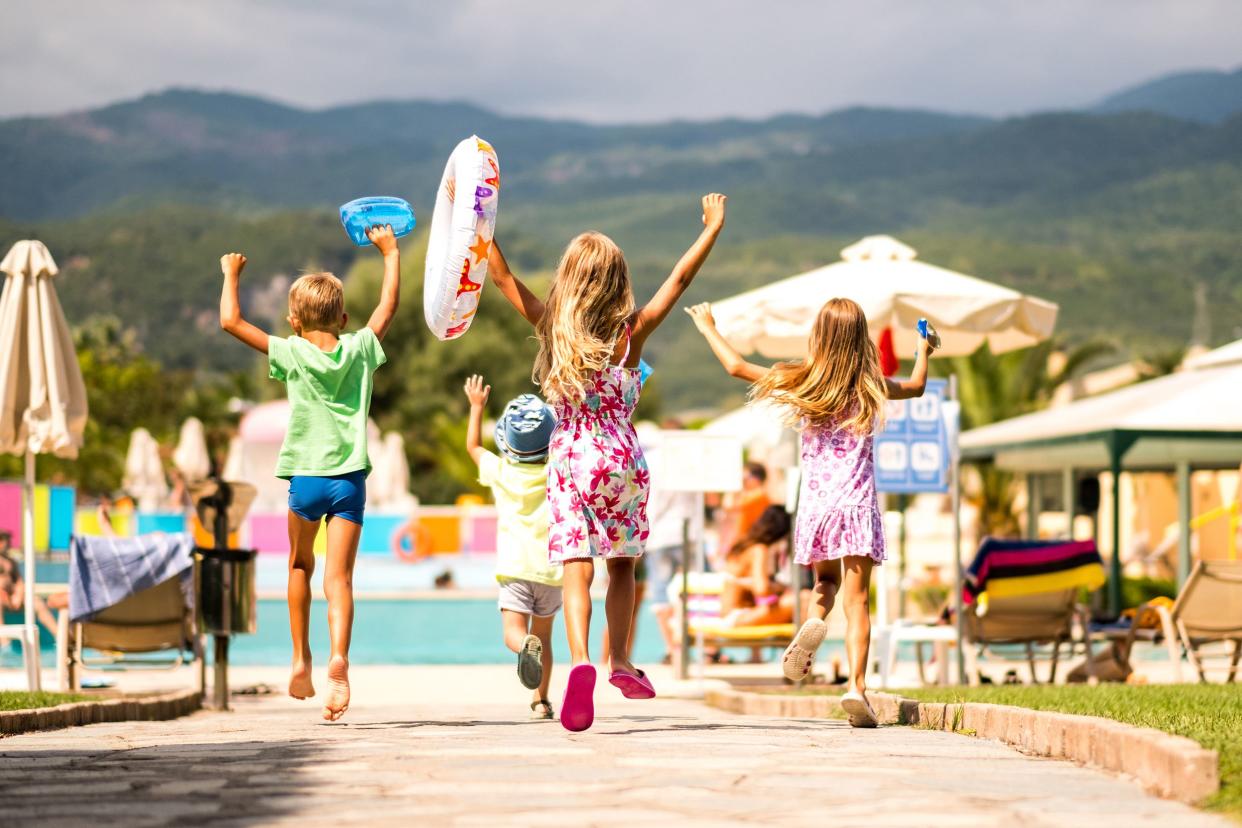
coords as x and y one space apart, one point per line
993 387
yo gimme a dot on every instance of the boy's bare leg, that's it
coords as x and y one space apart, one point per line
619 606
541 628
577 593
301 566
338 586
515 625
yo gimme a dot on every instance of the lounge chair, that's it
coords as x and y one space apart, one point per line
1042 619
703 601
1208 610
154 620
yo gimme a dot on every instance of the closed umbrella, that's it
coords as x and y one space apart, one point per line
388 487
144 479
895 290
190 457
42 397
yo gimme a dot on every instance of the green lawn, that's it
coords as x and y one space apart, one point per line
21 700
1211 714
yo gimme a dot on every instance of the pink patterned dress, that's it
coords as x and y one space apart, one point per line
597 477
838 512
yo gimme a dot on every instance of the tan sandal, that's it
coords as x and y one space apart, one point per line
800 654
541 710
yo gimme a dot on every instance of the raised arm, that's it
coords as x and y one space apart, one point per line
913 387
390 294
231 264
477 393
669 294
726 353
511 287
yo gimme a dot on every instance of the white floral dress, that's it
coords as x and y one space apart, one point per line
598 481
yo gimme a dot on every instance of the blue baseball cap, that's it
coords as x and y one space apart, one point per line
525 429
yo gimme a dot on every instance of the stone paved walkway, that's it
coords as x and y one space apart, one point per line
472 762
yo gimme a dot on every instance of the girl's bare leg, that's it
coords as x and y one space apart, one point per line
619 607
578 575
338 587
301 566
827 585
857 589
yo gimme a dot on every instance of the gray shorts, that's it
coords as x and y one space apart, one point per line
529 597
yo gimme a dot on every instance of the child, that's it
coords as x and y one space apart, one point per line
836 396
324 455
530 586
591 336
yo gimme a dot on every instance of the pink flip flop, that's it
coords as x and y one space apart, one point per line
578 705
631 685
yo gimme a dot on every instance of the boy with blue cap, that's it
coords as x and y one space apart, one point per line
530 586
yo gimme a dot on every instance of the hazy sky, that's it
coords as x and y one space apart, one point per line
611 60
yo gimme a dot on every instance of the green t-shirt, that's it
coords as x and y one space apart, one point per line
521 494
329 401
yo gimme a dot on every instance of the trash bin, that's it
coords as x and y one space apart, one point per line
227 600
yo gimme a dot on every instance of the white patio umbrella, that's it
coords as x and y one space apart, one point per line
191 457
144 479
895 290
388 487
42 397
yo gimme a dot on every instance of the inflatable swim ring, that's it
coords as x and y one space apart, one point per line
461 234
419 538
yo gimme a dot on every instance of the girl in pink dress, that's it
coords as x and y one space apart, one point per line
591 336
836 398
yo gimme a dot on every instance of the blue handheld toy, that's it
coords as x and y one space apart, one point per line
644 371
928 332
362 213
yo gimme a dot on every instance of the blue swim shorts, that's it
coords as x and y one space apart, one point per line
343 496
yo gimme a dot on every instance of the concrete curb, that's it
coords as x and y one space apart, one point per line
147 708
1172 767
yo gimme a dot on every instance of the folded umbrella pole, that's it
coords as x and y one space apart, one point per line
43 406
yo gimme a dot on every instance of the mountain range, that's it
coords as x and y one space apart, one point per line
1119 211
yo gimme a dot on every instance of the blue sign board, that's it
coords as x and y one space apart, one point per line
912 452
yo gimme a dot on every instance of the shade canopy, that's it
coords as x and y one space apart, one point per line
895 290
1192 416
1230 354
42 396
144 479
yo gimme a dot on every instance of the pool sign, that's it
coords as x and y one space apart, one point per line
912 452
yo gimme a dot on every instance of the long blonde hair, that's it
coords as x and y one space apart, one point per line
587 309
839 383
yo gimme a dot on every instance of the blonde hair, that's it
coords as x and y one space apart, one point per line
317 300
839 383
587 309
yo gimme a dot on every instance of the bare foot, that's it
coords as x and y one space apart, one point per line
337 703
300 686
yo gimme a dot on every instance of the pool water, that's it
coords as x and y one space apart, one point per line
412 631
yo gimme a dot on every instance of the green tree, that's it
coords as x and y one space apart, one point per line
419 391
994 387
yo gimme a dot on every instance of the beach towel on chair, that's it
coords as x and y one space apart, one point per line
1027 567
105 571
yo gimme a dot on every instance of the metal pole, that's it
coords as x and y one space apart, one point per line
1114 575
1069 500
30 633
1184 516
1032 506
959 579
700 543
683 665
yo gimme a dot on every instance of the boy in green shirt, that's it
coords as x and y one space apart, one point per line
324 456
530 586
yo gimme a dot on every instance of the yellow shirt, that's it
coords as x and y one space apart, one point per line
521 494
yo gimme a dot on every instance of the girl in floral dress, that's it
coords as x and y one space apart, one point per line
836 397
591 336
